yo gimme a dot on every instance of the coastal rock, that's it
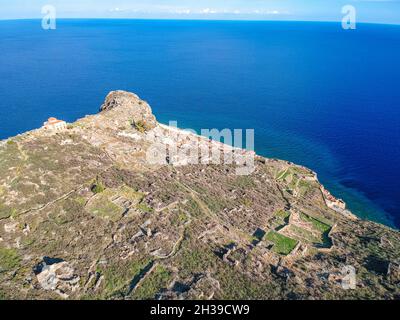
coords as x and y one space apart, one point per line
58 276
129 104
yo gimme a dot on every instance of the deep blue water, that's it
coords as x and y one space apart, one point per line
315 94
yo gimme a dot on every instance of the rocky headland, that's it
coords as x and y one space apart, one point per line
119 206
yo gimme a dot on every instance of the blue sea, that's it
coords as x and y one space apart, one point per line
315 94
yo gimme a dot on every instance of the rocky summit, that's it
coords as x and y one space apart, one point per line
119 206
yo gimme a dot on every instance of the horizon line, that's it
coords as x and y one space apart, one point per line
197 19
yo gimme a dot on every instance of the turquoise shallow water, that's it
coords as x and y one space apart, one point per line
315 94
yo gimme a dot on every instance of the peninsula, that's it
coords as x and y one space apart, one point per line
96 209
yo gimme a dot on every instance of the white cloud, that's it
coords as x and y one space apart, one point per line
208 11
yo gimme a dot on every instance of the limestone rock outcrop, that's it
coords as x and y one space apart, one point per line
136 110
58 276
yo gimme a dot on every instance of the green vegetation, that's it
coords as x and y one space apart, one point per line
282 244
2 295
179 218
194 209
9 259
280 219
304 186
141 126
304 234
107 209
27 241
101 206
244 182
10 142
97 187
237 286
5 212
294 179
293 171
320 226
317 224
131 194
159 278
65 211
302 171
118 276
80 200
282 175
135 197
246 202
282 214
214 203
60 218
142 206
194 259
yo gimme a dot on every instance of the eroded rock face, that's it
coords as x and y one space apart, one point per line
58 276
123 101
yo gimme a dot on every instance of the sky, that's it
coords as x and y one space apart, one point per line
375 11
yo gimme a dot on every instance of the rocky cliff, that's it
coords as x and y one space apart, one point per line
106 210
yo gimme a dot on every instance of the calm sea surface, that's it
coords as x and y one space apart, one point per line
315 94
